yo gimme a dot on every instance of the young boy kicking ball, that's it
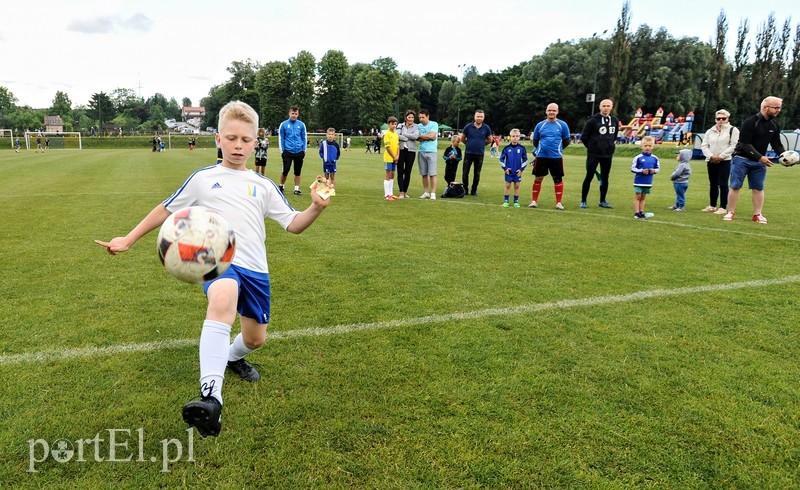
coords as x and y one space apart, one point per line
245 198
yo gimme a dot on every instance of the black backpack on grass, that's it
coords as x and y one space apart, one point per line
455 189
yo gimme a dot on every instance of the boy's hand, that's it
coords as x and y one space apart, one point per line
519 172
508 171
321 191
116 245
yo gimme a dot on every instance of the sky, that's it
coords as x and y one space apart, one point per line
182 49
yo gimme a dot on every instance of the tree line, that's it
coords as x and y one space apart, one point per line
644 69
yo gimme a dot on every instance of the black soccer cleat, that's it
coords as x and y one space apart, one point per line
297 192
205 415
244 370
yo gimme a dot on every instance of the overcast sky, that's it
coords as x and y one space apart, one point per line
182 49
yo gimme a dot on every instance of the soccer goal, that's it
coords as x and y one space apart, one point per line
181 139
67 140
3 133
318 138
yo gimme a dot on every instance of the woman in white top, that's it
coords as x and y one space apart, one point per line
718 145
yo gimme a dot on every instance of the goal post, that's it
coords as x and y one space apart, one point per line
10 133
66 140
318 138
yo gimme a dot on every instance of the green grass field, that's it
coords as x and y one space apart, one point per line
415 344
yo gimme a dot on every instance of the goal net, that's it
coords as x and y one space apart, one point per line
67 140
181 139
6 133
317 139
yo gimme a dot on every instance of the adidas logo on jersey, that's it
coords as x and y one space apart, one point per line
216 186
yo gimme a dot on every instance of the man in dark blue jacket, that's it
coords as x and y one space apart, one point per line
599 137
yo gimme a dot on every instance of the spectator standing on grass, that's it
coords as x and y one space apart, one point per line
390 157
680 179
513 160
245 198
407 134
292 143
599 137
329 152
749 158
644 166
452 156
262 145
718 145
475 135
426 158
550 137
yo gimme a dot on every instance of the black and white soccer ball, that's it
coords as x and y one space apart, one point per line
196 244
789 158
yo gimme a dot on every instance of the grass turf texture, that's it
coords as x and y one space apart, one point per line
424 386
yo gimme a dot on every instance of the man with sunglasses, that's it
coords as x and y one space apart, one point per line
749 158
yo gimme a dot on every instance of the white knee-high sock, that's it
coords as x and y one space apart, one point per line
214 345
238 350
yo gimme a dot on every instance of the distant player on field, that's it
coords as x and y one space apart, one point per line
329 152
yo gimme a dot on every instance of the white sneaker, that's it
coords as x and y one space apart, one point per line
728 217
721 211
532 204
759 218
433 197
559 206
425 196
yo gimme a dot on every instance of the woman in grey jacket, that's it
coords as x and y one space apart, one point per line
718 145
408 132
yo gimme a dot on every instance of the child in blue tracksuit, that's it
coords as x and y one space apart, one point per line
329 152
680 179
644 166
513 161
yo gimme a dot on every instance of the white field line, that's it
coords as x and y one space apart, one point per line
69 354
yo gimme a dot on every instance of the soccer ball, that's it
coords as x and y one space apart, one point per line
196 244
789 158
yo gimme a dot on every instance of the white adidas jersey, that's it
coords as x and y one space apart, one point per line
244 198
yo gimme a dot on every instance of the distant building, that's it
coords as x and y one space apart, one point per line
189 112
53 124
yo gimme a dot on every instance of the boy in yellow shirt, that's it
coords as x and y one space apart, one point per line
391 143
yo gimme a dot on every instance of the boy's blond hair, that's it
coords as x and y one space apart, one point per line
649 139
515 130
237 110
455 137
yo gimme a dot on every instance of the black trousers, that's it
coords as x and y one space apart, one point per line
404 165
591 169
718 176
469 159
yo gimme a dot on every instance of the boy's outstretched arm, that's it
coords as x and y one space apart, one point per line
307 217
153 220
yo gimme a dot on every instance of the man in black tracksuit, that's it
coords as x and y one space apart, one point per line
599 137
